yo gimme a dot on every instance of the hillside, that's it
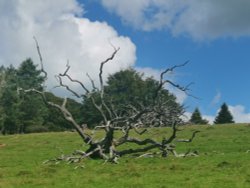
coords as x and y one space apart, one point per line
224 161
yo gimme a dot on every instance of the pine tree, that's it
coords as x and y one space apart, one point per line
224 116
31 107
196 118
2 87
8 102
25 113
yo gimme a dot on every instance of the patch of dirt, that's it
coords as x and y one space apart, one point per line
2 145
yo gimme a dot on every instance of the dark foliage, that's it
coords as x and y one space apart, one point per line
128 87
196 118
25 113
224 116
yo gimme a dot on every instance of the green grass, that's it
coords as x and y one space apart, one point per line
223 162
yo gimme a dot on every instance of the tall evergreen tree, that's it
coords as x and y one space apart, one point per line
224 116
23 113
18 110
31 107
28 76
8 102
2 87
196 118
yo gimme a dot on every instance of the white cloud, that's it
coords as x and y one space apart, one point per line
149 72
209 118
63 35
187 116
180 95
216 99
145 14
200 19
239 113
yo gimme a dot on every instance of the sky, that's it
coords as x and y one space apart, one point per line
213 35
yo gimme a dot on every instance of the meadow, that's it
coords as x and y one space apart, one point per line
223 161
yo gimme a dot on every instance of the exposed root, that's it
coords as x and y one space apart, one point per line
76 157
187 154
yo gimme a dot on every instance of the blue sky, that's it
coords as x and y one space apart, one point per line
214 35
219 67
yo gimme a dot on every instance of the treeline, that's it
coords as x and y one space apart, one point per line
25 113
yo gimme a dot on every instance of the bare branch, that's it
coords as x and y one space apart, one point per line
138 150
143 142
92 83
65 74
132 118
173 136
40 57
67 115
67 87
171 70
140 132
101 69
188 140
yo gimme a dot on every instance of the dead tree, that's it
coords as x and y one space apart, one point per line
134 120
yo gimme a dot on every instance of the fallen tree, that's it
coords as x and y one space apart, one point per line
137 118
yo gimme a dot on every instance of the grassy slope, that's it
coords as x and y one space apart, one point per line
223 162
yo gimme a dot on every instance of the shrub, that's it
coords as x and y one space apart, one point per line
36 129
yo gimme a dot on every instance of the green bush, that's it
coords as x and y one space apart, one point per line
36 129
54 128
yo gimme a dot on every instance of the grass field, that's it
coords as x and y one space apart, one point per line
223 162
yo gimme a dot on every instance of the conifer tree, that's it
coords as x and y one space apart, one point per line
31 107
224 116
196 118
8 101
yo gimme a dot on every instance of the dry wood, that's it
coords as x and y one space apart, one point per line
137 117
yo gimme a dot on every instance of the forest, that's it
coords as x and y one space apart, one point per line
26 113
